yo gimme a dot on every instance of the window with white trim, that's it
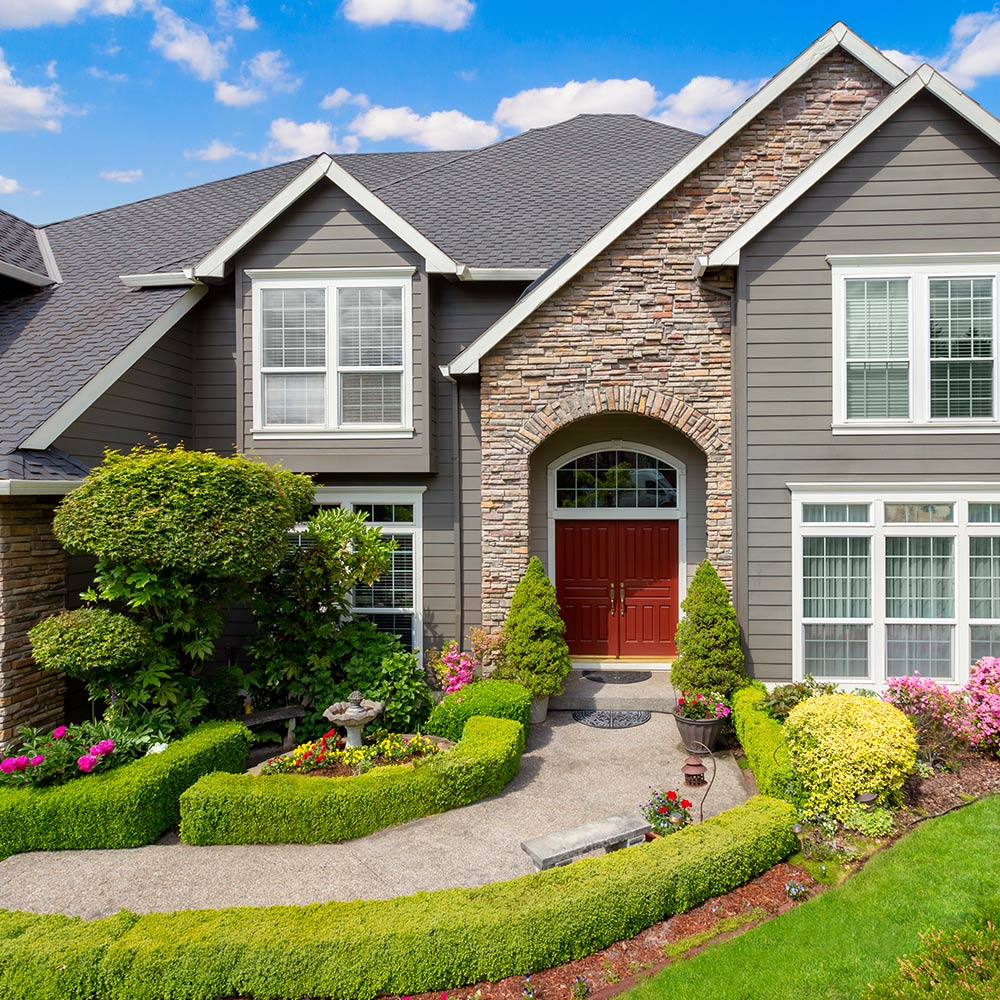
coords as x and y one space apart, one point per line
914 343
332 352
892 585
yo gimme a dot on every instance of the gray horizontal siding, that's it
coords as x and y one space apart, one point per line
215 371
926 182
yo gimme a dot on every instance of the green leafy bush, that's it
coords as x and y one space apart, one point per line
535 653
709 654
125 807
295 809
367 948
401 686
840 745
498 699
784 697
763 742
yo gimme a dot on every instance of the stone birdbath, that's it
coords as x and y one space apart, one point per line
353 714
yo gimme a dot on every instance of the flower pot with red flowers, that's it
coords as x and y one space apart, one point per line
700 718
666 812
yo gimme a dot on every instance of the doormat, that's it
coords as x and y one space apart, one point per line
611 718
617 676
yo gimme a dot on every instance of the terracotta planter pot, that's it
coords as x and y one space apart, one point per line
652 835
704 731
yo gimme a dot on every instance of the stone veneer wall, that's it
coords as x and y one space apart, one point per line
635 333
32 585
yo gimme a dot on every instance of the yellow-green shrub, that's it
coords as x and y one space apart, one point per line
840 745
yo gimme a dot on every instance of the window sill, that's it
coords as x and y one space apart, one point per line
973 427
355 434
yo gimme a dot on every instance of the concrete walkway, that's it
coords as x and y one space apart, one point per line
570 774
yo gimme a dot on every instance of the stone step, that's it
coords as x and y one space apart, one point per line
652 695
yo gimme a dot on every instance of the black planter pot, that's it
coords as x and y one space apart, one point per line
699 731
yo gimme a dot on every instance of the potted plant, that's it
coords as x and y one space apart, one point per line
534 652
666 813
700 718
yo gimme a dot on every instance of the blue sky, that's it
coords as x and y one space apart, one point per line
108 101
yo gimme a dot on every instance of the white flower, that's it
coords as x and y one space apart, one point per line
157 748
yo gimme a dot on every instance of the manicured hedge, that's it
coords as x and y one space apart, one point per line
294 809
130 806
497 699
362 949
763 742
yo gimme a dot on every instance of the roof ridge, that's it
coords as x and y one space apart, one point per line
459 155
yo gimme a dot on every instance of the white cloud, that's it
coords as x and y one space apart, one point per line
342 96
34 13
704 101
121 176
216 150
23 108
234 15
9 186
51 69
906 61
289 140
236 96
438 130
542 106
102 74
447 14
182 41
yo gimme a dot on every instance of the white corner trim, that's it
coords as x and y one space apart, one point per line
24 275
158 279
501 273
78 403
468 361
48 256
37 487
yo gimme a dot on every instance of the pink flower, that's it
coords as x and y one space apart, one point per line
35 761
59 733
7 765
20 763
88 762
102 748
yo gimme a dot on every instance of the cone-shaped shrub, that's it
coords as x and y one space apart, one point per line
535 653
709 654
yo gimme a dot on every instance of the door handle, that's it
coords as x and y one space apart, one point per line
621 599
611 597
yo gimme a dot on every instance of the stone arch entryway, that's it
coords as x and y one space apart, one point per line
512 522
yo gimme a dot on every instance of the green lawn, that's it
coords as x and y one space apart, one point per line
832 946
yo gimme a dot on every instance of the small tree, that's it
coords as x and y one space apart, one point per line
709 654
535 653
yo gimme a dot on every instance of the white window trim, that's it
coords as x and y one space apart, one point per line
330 280
349 496
878 494
918 269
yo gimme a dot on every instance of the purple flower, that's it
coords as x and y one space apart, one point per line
88 762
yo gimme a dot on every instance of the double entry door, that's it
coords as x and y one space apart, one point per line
616 583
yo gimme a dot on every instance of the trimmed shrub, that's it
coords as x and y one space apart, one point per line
367 948
709 654
763 742
130 806
535 653
840 745
295 809
497 699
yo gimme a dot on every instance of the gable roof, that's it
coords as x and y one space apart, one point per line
924 79
21 256
839 35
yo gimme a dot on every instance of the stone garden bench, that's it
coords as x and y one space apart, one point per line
610 833
289 714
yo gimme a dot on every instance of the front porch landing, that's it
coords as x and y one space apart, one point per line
653 695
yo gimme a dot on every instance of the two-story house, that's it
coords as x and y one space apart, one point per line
610 343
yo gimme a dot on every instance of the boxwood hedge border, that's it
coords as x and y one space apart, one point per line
763 742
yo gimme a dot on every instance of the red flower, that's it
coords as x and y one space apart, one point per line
672 796
685 804
662 810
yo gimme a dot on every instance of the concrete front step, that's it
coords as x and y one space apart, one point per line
652 695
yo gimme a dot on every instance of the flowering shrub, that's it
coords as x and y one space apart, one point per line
329 751
666 812
56 758
695 705
453 667
982 693
939 716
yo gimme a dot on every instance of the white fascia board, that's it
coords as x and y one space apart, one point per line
74 407
502 273
24 275
214 264
158 279
727 253
839 35
37 487
925 78
438 262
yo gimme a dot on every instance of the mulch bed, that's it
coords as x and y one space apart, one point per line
620 967
976 775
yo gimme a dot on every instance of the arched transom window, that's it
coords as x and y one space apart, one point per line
616 478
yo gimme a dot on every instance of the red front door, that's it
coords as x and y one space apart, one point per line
616 583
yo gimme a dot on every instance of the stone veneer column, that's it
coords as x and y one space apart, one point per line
32 585
634 332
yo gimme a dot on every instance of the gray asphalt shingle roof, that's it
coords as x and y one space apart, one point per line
522 202
19 244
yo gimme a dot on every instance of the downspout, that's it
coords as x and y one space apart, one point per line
458 526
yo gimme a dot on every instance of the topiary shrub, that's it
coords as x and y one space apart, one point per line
840 745
709 654
497 699
535 653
